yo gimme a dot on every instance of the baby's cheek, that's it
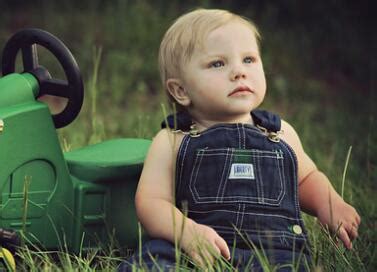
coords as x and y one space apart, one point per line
262 80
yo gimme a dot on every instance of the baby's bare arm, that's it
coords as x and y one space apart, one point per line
318 197
154 195
155 204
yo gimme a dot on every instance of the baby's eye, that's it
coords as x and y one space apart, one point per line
216 64
249 60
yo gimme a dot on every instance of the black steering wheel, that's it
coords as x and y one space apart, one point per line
72 88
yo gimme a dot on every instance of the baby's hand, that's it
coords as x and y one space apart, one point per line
204 244
343 219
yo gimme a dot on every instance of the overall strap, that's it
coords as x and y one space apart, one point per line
270 121
179 121
182 121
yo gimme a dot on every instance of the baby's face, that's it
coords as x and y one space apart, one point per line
224 78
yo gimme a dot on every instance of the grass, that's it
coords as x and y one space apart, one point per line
328 254
123 99
34 260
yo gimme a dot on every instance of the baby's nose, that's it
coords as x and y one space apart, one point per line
237 73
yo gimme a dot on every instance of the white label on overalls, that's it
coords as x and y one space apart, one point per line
242 171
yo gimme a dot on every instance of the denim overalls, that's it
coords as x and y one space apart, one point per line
241 180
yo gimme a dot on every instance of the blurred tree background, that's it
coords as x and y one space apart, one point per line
322 42
320 61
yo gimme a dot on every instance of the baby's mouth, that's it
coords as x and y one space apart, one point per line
240 90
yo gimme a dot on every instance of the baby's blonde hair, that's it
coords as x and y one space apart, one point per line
187 33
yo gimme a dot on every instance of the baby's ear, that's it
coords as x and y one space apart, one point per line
179 93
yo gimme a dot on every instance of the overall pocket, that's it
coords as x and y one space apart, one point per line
230 175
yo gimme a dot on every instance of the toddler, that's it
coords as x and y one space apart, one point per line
223 178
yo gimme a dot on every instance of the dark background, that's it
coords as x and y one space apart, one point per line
333 40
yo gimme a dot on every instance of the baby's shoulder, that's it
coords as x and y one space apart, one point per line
289 135
287 128
167 140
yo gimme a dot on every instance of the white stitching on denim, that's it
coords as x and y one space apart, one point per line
240 130
277 234
247 151
239 136
192 187
279 160
259 179
235 199
251 231
255 153
281 169
261 199
223 183
241 155
244 136
181 157
243 216
282 179
238 213
227 170
230 229
295 180
295 187
247 199
250 128
246 213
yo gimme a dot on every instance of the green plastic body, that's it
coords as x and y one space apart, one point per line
105 205
77 200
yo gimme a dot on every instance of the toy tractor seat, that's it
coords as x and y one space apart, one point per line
115 159
105 177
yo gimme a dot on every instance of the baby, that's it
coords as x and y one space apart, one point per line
222 176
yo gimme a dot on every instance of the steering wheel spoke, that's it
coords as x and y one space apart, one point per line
30 57
55 87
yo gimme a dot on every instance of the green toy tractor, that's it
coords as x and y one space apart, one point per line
75 200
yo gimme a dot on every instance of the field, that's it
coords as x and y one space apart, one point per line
319 79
